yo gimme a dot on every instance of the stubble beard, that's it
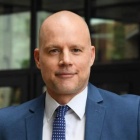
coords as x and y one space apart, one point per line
62 89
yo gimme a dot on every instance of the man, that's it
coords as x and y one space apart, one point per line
64 57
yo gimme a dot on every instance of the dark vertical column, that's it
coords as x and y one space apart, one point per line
32 87
33 28
139 41
87 11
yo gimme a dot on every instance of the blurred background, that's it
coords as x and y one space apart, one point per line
115 32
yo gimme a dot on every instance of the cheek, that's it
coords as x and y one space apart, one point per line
48 66
84 66
46 72
85 61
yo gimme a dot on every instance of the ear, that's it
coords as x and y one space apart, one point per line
36 57
92 55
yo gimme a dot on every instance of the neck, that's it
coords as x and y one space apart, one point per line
62 99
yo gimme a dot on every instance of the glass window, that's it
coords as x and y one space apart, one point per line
114 41
9 96
14 40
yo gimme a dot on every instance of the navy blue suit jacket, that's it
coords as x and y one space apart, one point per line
108 117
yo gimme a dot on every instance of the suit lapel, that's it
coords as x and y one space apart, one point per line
34 120
95 113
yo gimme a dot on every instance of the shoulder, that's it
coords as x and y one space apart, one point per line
14 112
119 109
114 101
13 118
114 98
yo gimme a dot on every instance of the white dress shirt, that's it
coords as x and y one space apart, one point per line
75 117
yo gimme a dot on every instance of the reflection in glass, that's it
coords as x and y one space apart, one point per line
9 96
114 40
14 40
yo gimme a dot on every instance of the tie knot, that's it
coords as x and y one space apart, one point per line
61 111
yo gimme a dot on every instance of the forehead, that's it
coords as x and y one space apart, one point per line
65 37
64 28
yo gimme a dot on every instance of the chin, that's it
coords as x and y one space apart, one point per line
67 90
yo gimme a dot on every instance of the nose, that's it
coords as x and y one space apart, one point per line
65 58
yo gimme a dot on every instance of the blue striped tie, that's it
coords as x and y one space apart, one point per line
59 123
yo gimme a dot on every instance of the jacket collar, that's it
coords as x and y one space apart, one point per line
95 113
34 120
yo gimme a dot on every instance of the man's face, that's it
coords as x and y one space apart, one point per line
64 59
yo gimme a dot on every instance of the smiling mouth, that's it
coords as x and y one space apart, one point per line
65 75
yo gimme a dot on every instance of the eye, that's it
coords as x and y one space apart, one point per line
76 51
54 51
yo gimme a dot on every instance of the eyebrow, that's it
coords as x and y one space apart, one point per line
59 46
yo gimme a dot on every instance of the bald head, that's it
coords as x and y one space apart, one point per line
63 20
65 55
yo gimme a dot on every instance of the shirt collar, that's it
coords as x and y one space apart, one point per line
77 104
50 106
